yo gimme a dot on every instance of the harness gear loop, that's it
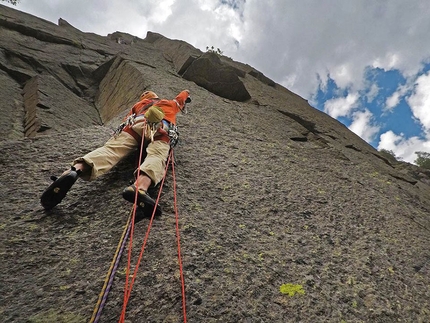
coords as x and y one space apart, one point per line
129 122
173 134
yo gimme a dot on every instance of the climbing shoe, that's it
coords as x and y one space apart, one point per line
55 193
144 201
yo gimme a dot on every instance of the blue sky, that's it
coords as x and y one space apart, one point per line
365 63
381 85
390 111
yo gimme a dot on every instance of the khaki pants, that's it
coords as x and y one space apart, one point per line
104 158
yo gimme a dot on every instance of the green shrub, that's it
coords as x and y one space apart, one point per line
389 154
213 50
14 2
423 159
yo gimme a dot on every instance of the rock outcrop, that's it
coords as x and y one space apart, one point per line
271 192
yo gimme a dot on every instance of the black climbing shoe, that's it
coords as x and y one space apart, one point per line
55 193
144 201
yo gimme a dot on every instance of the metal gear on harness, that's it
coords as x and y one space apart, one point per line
173 135
172 132
128 122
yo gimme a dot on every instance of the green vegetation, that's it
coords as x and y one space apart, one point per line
389 154
291 289
423 159
213 50
14 2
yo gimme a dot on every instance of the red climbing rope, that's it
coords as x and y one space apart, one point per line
133 216
128 232
129 284
178 238
111 274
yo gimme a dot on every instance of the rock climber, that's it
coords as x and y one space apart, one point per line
151 119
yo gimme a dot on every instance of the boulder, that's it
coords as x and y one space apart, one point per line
120 88
180 53
208 72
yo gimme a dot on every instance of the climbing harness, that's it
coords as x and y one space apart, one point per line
128 234
153 128
129 122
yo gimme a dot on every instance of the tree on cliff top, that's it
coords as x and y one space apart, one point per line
14 2
423 159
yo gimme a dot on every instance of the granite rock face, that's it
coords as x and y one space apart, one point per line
55 60
270 192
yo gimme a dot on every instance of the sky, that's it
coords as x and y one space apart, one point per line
365 63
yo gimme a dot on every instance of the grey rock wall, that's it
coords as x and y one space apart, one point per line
270 191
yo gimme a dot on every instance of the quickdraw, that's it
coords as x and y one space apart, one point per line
128 122
173 133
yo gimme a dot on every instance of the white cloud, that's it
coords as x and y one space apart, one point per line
158 6
363 125
419 101
343 39
403 147
341 107
300 44
289 41
393 101
372 92
343 75
388 62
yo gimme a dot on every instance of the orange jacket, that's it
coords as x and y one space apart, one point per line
170 107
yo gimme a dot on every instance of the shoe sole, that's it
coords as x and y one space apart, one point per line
144 202
56 192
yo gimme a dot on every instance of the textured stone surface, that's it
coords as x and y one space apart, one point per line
11 111
180 53
223 80
270 191
50 107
